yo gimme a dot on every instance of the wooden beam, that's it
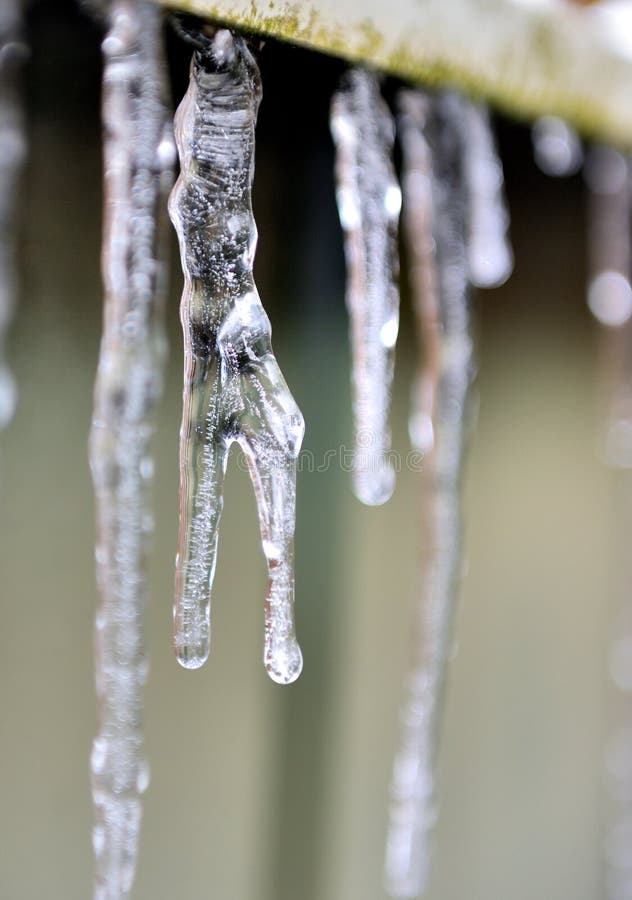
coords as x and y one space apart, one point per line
526 58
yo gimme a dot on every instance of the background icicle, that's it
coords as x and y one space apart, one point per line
233 387
13 52
557 148
609 295
435 213
138 161
369 201
607 176
489 253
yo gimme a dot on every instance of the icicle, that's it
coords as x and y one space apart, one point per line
435 197
233 387
138 159
12 152
490 257
607 175
557 148
608 180
369 201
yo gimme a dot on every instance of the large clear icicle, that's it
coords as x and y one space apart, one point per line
369 201
557 148
489 253
233 387
12 152
435 227
138 160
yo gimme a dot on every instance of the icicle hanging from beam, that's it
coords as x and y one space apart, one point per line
13 52
234 390
489 253
138 162
608 182
607 176
557 148
435 227
369 201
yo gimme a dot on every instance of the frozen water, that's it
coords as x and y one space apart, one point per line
137 178
490 257
607 176
233 387
556 147
608 181
435 226
369 201
13 52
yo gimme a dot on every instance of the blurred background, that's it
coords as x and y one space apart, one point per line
260 792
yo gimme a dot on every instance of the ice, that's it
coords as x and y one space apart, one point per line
234 390
490 257
607 176
369 201
556 147
137 178
435 226
13 52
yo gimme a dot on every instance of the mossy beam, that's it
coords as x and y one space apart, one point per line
525 58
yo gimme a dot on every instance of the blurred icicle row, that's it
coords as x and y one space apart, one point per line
138 162
234 390
435 227
13 52
369 201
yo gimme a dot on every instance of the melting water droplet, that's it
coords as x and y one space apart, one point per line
557 148
12 153
129 379
233 387
435 228
369 201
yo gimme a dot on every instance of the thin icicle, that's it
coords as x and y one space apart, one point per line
138 160
618 750
413 107
489 253
435 213
12 152
607 175
557 148
369 202
233 387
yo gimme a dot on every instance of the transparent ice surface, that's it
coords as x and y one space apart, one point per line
13 52
435 227
138 160
490 257
557 148
369 201
233 387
